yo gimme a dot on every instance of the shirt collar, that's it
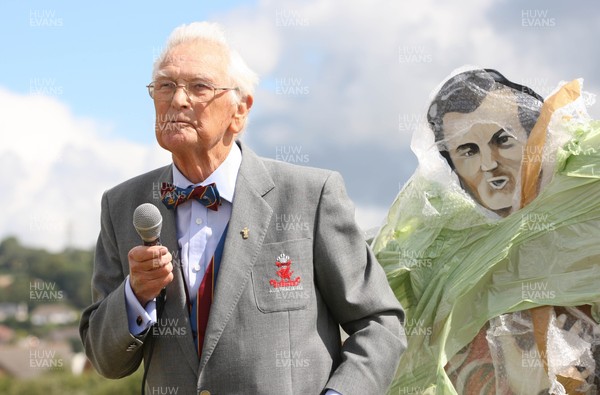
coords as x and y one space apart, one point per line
224 176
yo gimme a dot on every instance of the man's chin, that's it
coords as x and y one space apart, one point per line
173 140
503 212
502 207
500 202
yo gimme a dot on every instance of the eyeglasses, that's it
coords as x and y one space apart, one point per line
196 91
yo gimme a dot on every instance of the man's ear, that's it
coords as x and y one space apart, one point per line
240 116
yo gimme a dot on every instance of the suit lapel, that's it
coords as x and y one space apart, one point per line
175 305
249 210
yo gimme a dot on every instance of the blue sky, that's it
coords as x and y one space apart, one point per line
343 86
95 57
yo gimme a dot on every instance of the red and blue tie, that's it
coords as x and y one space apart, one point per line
208 195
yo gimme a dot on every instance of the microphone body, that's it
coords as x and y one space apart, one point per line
152 243
147 222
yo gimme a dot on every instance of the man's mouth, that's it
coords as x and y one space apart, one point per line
174 125
497 182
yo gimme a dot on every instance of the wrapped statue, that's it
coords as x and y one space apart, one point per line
493 245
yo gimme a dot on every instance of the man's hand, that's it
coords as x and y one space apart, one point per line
150 270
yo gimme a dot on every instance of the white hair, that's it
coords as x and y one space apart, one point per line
242 76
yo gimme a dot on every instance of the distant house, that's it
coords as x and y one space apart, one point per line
80 363
53 313
6 280
6 334
9 310
14 362
32 357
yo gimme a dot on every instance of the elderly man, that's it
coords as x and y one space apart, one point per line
250 307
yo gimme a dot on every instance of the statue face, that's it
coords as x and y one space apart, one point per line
486 148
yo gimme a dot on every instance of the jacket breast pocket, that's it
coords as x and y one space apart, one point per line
282 277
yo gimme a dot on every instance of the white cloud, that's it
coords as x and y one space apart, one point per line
54 168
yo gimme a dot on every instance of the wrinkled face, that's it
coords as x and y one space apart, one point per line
486 148
182 124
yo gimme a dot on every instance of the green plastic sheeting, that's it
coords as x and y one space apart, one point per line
453 268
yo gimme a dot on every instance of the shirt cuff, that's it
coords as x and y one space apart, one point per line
332 392
138 318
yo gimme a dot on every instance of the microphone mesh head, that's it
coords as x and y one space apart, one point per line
147 221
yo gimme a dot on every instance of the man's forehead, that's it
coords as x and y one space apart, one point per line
200 54
455 122
498 107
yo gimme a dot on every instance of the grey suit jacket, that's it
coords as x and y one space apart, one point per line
269 332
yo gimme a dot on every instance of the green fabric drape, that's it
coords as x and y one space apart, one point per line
453 268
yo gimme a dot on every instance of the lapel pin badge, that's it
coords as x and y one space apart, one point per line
245 233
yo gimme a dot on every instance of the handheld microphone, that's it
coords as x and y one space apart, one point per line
147 222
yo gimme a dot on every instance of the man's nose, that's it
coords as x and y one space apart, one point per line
488 163
180 98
